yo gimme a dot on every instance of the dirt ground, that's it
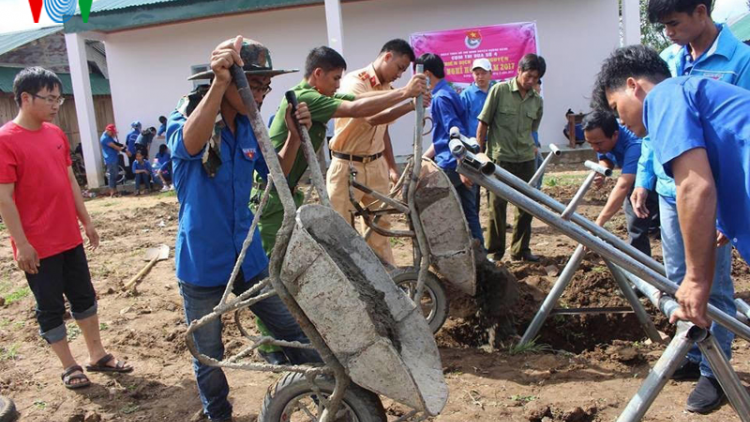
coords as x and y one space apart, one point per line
582 368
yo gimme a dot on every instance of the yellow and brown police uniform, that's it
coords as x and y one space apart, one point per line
361 145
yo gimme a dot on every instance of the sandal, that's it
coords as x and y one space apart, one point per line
101 365
68 376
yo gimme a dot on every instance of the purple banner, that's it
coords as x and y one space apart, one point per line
502 45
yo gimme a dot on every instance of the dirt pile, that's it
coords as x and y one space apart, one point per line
484 318
592 286
538 412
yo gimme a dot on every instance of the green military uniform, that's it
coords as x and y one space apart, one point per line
511 119
321 108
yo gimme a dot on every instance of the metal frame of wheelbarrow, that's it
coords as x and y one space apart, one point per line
260 291
407 186
644 272
390 205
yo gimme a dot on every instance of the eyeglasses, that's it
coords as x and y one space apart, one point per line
50 100
261 89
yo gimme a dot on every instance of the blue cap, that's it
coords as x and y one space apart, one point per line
136 124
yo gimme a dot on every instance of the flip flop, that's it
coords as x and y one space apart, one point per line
67 376
101 365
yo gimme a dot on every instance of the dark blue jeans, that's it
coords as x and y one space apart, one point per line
722 289
212 383
112 171
468 197
144 178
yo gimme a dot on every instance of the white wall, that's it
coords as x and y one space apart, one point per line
149 67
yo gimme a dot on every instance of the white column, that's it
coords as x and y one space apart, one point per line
79 75
631 22
334 24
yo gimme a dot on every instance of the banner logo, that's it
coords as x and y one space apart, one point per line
473 39
60 11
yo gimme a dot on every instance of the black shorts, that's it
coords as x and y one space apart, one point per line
65 274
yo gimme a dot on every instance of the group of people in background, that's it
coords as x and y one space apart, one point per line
136 149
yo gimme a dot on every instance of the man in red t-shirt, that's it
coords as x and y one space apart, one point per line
41 203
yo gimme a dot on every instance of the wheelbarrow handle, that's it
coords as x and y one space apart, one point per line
238 76
291 98
243 87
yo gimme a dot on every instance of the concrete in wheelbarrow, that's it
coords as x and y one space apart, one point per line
374 330
446 229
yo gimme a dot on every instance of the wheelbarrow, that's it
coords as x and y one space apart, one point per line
448 240
373 329
370 336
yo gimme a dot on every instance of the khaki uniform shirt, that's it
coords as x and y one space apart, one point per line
511 119
356 136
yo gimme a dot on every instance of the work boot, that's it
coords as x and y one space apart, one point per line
706 396
689 371
526 256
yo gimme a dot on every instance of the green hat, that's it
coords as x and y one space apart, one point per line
257 61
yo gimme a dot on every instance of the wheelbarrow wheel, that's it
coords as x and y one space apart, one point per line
292 399
7 410
434 300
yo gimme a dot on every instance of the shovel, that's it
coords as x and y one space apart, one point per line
152 255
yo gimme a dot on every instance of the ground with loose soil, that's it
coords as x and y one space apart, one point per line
584 368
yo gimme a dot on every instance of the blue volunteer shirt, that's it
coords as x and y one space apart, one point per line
162 129
651 176
163 160
108 153
626 152
447 112
163 157
141 166
686 113
214 216
727 60
473 100
130 140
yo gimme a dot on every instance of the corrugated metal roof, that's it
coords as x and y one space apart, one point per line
99 85
12 40
741 28
106 5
